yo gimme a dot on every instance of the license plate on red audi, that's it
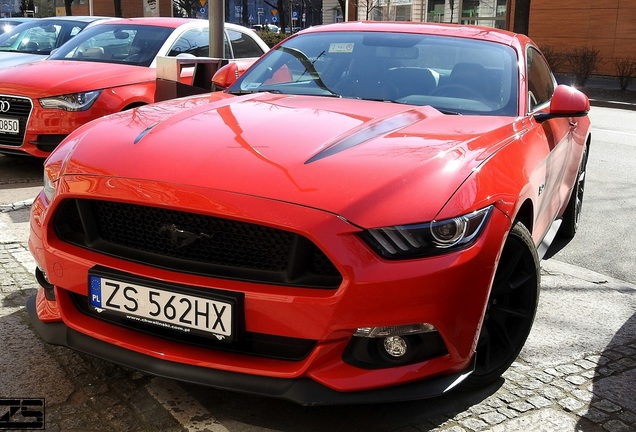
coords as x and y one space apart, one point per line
163 307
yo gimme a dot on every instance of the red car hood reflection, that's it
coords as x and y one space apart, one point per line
58 77
343 156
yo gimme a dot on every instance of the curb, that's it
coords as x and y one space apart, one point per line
5 208
613 104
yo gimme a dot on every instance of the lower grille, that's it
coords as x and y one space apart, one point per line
258 344
14 108
195 243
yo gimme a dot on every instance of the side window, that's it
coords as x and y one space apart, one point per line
75 30
540 80
193 41
243 45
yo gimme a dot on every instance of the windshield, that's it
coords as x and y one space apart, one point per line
116 43
40 36
451 74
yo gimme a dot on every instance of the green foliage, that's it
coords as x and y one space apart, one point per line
270 38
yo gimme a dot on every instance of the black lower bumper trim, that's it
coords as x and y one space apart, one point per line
303 391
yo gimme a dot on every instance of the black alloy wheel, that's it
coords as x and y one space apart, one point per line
572 215
511 308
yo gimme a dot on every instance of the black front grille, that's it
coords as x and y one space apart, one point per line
195 243
17 108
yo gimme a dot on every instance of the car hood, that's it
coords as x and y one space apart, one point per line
56 77
8 59
369 162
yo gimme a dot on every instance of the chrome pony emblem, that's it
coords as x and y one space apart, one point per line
181 238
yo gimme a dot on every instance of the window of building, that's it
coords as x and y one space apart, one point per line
391 10
489 13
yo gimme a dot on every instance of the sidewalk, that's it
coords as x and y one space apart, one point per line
576 373
605 91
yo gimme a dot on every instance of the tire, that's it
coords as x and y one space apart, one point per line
572 214
510 311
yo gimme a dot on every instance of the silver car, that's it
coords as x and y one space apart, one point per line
34 40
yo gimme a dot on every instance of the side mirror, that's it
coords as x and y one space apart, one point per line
225 76
228 74
566 102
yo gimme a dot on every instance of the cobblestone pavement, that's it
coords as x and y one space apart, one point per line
81 393
589 392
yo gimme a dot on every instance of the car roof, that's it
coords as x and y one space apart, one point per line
17 19
170 22
80 18
454 30
156 21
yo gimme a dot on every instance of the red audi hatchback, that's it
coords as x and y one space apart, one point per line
107 68
358 218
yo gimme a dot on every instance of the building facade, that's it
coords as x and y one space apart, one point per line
608 26
491 13
129 8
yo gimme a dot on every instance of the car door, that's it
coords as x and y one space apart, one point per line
555 134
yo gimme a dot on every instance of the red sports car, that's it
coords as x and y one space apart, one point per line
107 68
358 218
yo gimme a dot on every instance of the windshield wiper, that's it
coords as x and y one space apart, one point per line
448 112
308 65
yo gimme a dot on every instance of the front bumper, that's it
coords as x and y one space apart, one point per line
303 391
448 291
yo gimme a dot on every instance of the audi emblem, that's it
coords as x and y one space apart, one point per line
5 106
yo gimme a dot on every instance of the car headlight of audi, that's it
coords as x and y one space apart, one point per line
429 238
71 102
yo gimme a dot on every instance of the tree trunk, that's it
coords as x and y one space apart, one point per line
522 17
68 7
118 11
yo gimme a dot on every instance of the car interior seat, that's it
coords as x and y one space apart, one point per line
93 53
30 46
412 81
468 79
366 79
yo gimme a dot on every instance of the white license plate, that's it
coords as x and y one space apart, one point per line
8 125
162 307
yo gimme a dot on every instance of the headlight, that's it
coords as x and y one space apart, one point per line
51 176
429 238
71 102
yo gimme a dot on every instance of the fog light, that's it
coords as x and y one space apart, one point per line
395 346
49 289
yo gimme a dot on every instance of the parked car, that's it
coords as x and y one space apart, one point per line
266 27
8 23
358 218
107 68
34 40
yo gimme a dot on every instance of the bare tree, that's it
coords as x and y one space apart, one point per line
369 6
26 5
583 62
190 7
282 15
625 71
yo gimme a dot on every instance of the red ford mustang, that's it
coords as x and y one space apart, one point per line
358 218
